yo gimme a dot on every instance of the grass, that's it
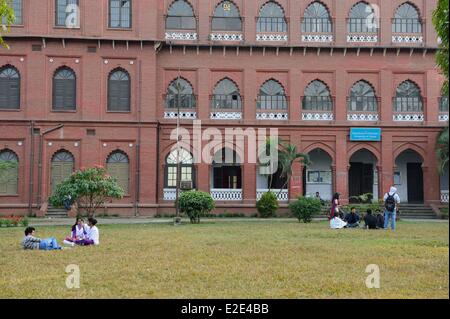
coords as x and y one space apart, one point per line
239 259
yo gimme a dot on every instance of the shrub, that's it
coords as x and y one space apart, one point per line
267 205
196 204
24 222
1 222
7 222
305 207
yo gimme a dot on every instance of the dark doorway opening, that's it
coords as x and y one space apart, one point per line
415 182
360 178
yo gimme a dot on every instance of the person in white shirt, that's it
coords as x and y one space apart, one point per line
391 206
92 236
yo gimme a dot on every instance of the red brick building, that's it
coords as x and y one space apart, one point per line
95 82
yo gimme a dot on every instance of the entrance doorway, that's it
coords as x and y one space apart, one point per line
408 176
415 182
362 175
62 167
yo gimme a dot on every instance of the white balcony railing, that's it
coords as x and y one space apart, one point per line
444 196
170 193
282 196
225 194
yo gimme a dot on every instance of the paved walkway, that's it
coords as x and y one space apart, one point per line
150 220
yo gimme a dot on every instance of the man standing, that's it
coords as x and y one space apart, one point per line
391 205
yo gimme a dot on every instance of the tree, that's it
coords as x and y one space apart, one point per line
7 16
287 156
442 150
196 204
90 188
440 21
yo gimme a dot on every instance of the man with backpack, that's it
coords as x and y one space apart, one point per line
391 204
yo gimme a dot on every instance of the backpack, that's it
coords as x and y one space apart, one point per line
389 204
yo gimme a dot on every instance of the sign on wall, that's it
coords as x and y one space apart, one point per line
365 134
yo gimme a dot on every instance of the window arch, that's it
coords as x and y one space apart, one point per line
226 95
180 93
64 89
186 165
271 18
226 17
362 98
62 166
362 18
407 19
317 97
119 91
180 16
118 166
9 176
316 18
9 88
408 98
272 96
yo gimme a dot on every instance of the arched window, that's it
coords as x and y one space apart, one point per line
362 19
226 17
317 97
226 95
64 89
119 91
407 19
9 88
227 172
272 96
61 168
316 19
9 174
180 94
271 18
408 98
118 166
362 98
186 165
180 16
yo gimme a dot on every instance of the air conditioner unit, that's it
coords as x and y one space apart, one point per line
186 185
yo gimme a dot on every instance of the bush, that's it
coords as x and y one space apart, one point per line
305 207
7 222
25 222
267 205
196 204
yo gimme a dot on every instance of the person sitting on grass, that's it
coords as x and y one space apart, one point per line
380 220
92 236
31 242
370 220
78 232
352 218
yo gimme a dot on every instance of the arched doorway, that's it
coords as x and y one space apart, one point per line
226 175
362 175
317 177
408 176
61 168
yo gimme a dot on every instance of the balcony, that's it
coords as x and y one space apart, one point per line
362 108
170 194
362 31
408 109
180 106
317 108
443 109
282 194
226 107
407 31
271 29
181 28
226 194
444 196
228 29
272 107
317 30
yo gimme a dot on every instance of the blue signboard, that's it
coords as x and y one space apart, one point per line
365 134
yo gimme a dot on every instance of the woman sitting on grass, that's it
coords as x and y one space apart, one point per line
92 236
79 232
31 242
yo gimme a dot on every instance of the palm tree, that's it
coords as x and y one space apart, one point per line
287 156
442 150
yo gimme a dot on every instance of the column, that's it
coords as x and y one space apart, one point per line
249 183
342 166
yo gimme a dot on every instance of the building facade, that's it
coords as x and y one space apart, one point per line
88 83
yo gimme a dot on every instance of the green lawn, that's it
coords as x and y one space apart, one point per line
233 259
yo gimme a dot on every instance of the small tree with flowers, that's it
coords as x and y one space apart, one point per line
90 188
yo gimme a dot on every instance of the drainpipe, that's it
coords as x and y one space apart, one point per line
31 183
41 146
138 146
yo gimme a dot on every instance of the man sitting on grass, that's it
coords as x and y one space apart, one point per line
370 220
92 237
31 242
352 219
